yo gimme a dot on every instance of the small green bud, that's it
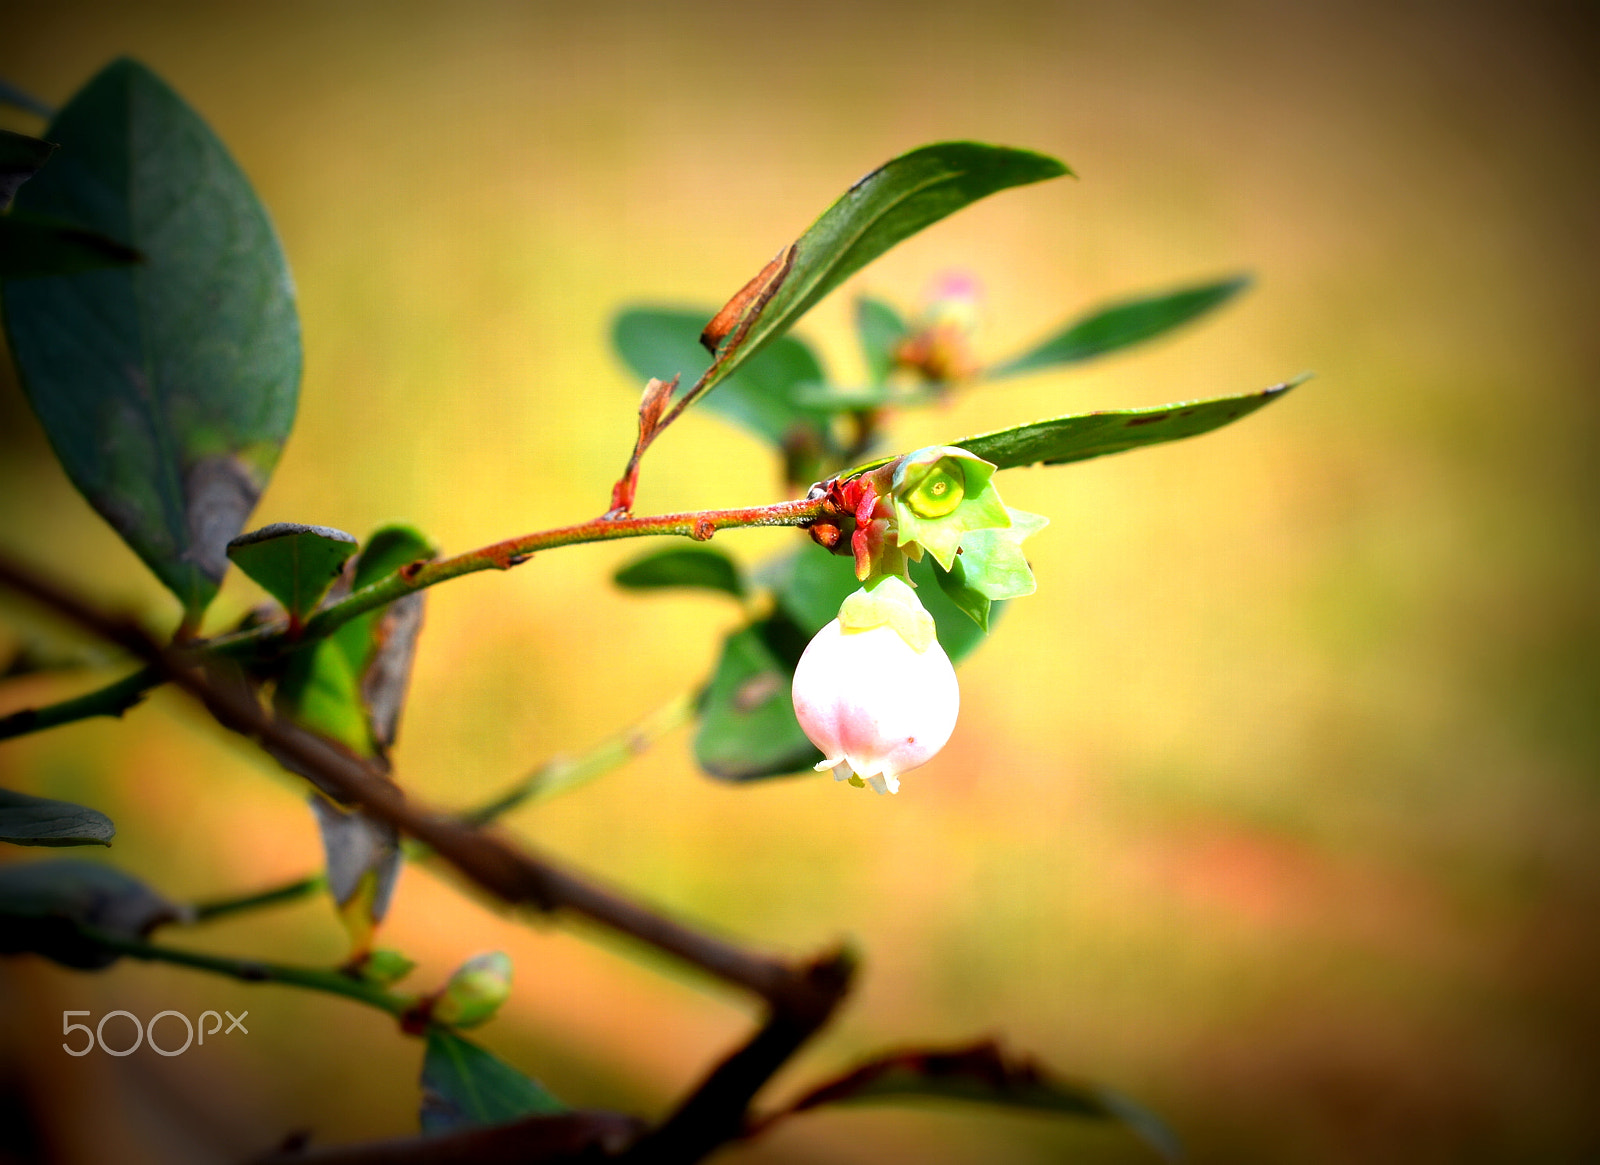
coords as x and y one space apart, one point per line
476 991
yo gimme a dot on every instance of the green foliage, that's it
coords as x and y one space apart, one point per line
294 564
683 566
665 342
982 1073
26 820
53 909
464 1086
879 330
31 247
894 202
1120 325
167 389
1080 437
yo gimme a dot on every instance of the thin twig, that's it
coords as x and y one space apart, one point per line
514 876
112 700
330 981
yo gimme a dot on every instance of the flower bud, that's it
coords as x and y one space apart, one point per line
476 990
874 690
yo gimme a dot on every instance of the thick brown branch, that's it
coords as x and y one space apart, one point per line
509 874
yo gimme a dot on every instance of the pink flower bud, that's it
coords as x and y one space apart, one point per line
874 704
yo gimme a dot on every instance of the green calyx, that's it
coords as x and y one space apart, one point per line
887 601
942 494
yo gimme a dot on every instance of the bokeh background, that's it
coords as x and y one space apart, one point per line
1275 808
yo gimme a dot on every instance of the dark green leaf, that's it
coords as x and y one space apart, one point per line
20 159
294 564
683 566
463 1086
1077 438
32 247
880 329
26 820
44 907
1121 325
663 342
982 1073
167 389
892 203
747 725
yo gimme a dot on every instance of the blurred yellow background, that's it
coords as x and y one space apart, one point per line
1275 808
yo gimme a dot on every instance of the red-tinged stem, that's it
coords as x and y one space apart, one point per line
699 525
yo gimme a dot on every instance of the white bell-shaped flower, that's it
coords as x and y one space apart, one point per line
874 690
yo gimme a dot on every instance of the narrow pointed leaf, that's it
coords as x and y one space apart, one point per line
663 342
168 388
983 1073
895 201
1078 438
683 566
880 330
464 1086
45 906
26 820
295 564
21 157
1122 325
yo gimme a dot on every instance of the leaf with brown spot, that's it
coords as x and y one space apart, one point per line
748 301
167 388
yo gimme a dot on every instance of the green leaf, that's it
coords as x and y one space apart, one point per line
464 1086
167 389
20 159
880 329
747 726
294 564
663 342
26 820
44 907
895 201
1061 440
388 549
683 566
1122 325
1078 438
32 247
983 1073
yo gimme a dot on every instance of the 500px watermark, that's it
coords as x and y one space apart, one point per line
145 1033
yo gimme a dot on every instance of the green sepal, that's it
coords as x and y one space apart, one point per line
386 967
991 566
980 507
888 602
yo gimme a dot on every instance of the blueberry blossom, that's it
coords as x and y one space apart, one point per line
874 690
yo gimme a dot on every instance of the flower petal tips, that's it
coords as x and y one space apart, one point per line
874 705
